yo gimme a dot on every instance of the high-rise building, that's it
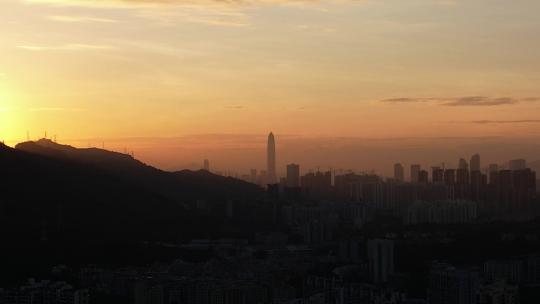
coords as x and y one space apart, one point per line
317 185
493 173
475 162
271 159
517 164
399 173
524 189
381 260
441 212
450 176
423 177
206 165
293 176
437 175
449 285
415 171
478 185
462 176
463 165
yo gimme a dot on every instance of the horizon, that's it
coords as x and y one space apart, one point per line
418 151
317 69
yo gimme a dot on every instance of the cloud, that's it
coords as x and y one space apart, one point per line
467 101
317 29
531 99
80 19
66 47
404 100
235 107
523 121
155 3
480 101
226 13
53 109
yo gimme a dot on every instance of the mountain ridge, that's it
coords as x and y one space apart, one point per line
184 185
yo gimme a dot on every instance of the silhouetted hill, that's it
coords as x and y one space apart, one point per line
59 204
182 186
41 193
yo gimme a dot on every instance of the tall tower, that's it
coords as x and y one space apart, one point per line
206 165
271 159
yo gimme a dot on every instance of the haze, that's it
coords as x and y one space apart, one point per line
337 81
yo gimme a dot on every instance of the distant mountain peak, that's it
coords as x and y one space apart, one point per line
51 148
45 141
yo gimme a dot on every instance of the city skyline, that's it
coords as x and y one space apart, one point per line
271 159
362 69
294 149
290 177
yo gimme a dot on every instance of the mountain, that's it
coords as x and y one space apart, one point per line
60 204
182 186
94 193
40 193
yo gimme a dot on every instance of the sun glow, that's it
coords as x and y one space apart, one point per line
9 124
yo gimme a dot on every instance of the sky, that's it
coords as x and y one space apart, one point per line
342 83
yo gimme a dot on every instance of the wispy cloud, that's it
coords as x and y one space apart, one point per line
467 101
207 15
317 29
481 101
531 99
66 47
80 19
226 13
154 3
235 107
523 121
404 100
56 109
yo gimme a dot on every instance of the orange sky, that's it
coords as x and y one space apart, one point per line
92 71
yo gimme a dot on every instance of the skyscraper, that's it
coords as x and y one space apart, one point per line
517 164
423 177
450 176
206 165
475 162
437 175
449 285
381 260
399 174
415 171
271 159
293 176
493 173
463 165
